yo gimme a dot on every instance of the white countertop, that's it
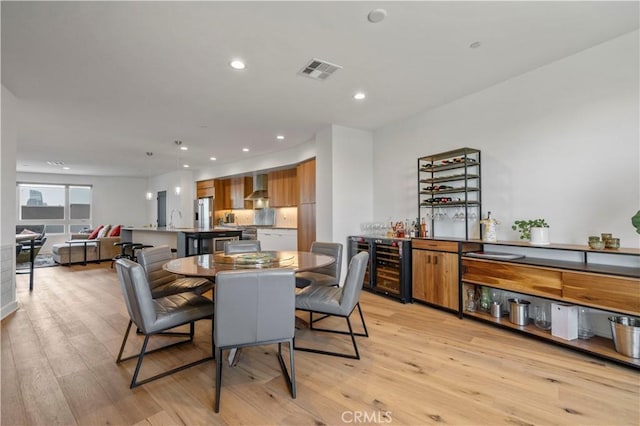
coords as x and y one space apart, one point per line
176 230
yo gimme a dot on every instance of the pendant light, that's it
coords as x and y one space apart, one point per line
149 194
177 189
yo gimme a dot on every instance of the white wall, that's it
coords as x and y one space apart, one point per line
559 142
352 187
116 200
182 203
324 184
8 302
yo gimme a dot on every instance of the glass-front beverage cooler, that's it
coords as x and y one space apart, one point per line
355 245
389 269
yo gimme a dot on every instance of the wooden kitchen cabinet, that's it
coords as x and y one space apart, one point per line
204 188
307 181
283 188
239 188
222 191
306 226
306 174
435 273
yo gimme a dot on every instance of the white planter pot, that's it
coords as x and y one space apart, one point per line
539 236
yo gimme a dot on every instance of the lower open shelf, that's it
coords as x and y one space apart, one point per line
596 345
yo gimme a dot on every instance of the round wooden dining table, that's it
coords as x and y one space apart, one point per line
208 265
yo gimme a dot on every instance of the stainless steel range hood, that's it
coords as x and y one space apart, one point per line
259 188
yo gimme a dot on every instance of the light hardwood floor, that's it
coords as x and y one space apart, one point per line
419 366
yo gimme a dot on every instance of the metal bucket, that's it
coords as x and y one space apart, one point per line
519 311
626 335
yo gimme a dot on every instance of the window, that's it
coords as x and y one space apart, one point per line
62 208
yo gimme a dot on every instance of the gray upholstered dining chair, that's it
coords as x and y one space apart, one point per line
327 275
254 307
154 316
337 301
241 246
164 283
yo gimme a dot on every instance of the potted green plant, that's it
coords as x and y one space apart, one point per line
534 230
635 221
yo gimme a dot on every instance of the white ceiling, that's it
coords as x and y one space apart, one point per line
101 83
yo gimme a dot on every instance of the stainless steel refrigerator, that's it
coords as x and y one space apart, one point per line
203 211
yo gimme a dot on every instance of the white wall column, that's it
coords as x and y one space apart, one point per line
8 303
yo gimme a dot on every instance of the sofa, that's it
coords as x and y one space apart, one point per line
98 248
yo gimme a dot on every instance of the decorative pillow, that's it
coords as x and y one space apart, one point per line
115 231
94 234
104 231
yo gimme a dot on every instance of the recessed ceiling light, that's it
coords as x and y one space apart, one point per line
237 64
359 96
183 148
186 166
376 15
245 149
475 45
66 168
55 163
280 137
212 158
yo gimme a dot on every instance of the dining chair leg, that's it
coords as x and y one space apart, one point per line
124 342
353 339
139 364
218 356
364 325
293 369
289 378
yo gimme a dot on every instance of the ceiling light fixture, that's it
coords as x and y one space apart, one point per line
66 168
186 166
212 158
280 137
359 96
237 64
183 148
245 149
149 194
177 190
376 15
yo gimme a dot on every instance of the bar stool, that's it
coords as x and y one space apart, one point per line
123 252
138 246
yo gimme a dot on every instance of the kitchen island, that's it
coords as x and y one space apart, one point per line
187 241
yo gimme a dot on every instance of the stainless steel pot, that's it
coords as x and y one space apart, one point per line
519 311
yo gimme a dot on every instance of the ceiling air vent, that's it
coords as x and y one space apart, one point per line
318 69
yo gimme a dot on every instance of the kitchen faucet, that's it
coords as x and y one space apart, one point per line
171 226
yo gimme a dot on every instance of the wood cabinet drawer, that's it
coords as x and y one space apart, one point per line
508 276
449 246
204 184
603 291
